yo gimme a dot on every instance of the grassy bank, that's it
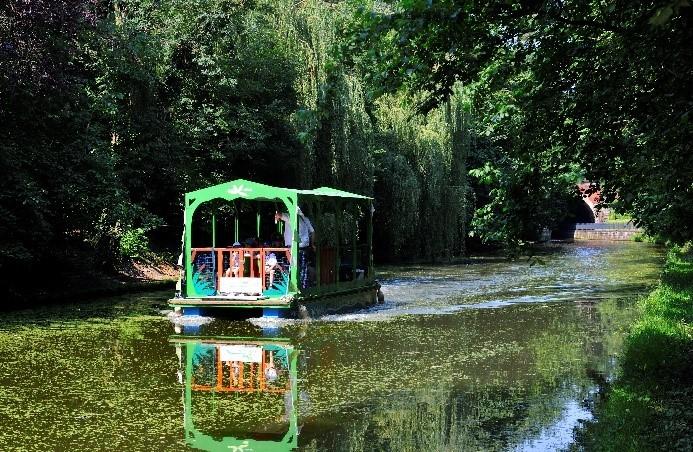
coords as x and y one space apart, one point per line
649 407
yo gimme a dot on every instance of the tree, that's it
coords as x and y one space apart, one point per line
57 172
603 85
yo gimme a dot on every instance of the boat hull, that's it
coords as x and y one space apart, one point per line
298 306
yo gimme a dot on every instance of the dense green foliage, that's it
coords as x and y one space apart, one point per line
110 110
459 118
604 85
648 408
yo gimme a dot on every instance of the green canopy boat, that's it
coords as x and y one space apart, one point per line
291 252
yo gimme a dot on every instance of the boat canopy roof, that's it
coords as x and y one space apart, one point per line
332 192
241 188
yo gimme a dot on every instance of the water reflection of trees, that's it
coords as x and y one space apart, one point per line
485 418
501 377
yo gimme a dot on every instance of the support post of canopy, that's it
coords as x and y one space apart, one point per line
295 274
215 266
370 239
235 223
354 234
214 231
190 204
318 248
338 229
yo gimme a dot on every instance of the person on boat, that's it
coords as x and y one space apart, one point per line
181 273
277 241
234 266
271 266
306 242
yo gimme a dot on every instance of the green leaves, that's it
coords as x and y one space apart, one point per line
576 82
110 112
487 175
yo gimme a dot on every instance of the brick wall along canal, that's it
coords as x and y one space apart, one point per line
493 355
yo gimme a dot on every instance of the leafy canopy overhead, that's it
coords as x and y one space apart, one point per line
605 84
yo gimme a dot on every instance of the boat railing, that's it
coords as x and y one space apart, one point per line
216 265
255 270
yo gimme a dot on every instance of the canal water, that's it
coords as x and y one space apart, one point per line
492 355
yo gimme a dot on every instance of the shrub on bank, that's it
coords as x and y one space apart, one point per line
648 407
654 239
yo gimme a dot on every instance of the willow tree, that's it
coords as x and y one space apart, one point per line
421 177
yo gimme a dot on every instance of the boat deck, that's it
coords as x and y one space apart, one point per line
230 302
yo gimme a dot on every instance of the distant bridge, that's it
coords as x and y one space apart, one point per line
605 231
592 200
593 221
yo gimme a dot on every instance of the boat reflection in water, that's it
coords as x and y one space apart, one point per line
239 394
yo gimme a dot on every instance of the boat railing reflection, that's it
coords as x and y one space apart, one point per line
245 368
251 368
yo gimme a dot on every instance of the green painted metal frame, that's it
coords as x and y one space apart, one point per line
248 190
230 191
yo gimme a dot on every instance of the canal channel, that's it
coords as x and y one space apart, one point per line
488 355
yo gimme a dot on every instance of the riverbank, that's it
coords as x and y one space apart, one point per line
649 406
70 286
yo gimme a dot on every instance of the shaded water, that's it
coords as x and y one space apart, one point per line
493 355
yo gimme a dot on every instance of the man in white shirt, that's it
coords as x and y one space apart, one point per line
306 242
306 232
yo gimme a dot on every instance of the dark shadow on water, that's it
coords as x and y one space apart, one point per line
232 314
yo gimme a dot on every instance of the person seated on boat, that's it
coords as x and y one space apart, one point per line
235 263
306 243
181 272
231 272
271 266
270 370
252 242
234 374
252 256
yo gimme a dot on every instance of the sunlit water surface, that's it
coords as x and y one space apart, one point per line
493 355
